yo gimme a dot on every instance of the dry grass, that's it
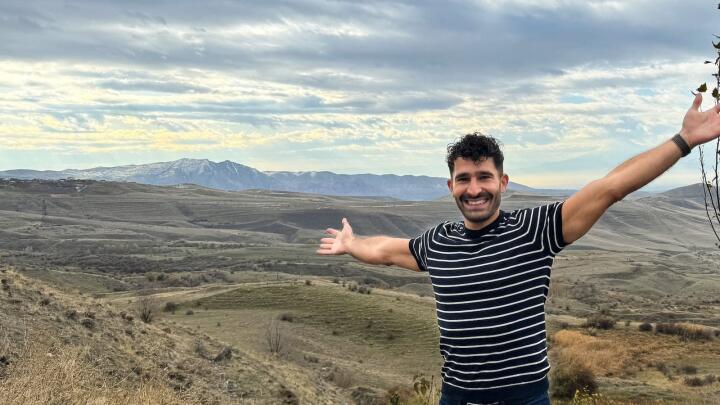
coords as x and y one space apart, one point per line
688 331
601 356
48 375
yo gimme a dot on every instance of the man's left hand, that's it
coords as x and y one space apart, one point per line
698 126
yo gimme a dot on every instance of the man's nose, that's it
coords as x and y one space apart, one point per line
474 188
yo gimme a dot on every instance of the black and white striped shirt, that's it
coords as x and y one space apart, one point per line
490 290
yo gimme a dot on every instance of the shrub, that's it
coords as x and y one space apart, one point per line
274 337
45 301
363 289
88 323
694 381
710 379
342 378
170 307
663 368
146 309
200 349
568 377
189 312
225 354
689 369
287 317
645 327
308 282
686 331
600 321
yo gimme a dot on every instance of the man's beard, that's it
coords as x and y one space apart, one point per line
478 216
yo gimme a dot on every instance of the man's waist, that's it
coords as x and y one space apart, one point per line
512 395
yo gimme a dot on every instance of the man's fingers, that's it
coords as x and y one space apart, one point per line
332 231
327 240
697 102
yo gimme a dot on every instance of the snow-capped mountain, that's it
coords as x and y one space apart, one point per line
233 176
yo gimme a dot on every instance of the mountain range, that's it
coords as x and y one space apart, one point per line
233 176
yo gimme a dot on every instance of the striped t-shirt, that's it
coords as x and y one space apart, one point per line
490 290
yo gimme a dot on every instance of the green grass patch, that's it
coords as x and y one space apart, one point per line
369 319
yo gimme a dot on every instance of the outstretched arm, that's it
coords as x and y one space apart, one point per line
374 250
585 207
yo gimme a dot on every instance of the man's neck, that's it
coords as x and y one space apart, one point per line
476 226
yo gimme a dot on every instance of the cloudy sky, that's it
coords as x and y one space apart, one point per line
571 88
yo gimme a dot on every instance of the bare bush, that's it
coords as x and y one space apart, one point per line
689 369
200 349
274 337
340 377
170 307
602 320
569 376
686 331
146 309
694 381
225 354
645 327
287 317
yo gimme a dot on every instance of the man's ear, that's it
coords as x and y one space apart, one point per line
504 180
450 185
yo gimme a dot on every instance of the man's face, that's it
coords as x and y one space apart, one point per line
476 188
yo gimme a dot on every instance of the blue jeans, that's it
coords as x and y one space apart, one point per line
542 399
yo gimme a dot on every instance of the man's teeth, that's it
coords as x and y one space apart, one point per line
476 201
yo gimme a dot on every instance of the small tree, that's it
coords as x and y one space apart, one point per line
710 186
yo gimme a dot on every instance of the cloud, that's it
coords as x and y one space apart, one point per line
556 80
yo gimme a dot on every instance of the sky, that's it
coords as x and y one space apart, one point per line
570 88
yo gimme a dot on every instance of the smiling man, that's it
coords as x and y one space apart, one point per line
491 271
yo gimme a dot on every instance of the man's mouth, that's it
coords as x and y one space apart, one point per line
478 202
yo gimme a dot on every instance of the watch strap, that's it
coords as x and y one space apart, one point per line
680 142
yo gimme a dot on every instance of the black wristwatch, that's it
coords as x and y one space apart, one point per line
680 142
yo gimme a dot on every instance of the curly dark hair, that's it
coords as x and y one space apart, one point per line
476 147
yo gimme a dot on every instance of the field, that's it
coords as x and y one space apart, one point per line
240 267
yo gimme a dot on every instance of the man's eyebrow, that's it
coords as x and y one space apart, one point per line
479 172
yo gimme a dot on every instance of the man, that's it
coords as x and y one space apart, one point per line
491 272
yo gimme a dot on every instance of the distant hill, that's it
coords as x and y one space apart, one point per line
691 196
233 176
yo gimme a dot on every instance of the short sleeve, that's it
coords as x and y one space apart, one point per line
418 248
552 236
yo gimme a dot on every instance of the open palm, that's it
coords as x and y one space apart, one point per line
700 126
338 244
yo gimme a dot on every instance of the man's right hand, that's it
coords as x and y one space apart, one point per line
339 244
372 250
